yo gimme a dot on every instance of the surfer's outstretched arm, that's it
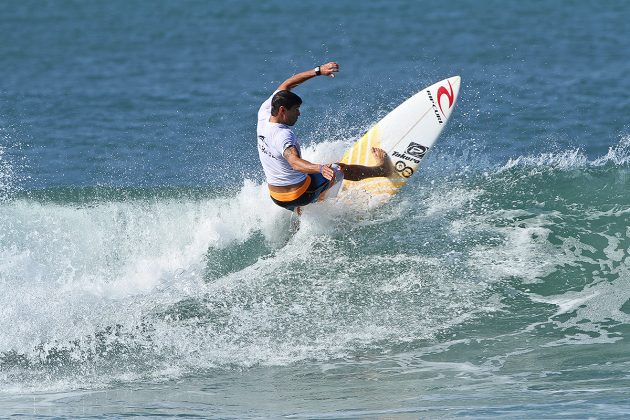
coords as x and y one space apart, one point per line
327 69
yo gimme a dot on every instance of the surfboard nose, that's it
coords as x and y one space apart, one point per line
455 83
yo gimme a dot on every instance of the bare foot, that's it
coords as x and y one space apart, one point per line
383 160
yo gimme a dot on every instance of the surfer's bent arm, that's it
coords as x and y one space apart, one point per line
304 166
327 69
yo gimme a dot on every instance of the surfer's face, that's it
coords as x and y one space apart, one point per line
292 114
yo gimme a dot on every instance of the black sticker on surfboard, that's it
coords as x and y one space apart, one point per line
416 150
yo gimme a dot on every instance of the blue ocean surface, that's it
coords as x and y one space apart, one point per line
144 271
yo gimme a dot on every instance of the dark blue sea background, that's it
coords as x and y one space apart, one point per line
144 271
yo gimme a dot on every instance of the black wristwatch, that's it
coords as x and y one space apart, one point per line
318 71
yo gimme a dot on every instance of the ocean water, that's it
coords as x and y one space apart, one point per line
145 272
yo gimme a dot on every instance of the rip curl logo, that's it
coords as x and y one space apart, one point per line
449 94
416 150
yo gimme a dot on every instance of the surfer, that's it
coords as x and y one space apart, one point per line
292 180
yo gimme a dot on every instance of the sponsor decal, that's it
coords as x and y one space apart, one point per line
403 169
406 157
442 91
435 110
413 153
416 150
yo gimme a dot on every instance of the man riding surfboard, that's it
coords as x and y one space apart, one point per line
293 181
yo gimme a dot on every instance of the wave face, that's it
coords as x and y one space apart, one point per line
512 268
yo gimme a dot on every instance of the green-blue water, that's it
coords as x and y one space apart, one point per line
144 270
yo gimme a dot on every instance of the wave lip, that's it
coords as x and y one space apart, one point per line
618 155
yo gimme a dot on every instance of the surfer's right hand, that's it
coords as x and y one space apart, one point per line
327 171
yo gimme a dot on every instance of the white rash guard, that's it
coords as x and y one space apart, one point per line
273 140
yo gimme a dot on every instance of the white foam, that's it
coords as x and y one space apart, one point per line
589 311
450 199
73 273
327 151
524 251
68 271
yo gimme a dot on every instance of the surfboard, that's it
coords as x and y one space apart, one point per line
407 134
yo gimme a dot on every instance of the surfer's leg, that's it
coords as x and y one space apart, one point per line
295 220
383 167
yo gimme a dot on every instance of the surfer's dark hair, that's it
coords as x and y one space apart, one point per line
284 98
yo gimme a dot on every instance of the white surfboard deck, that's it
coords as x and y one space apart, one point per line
407 134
